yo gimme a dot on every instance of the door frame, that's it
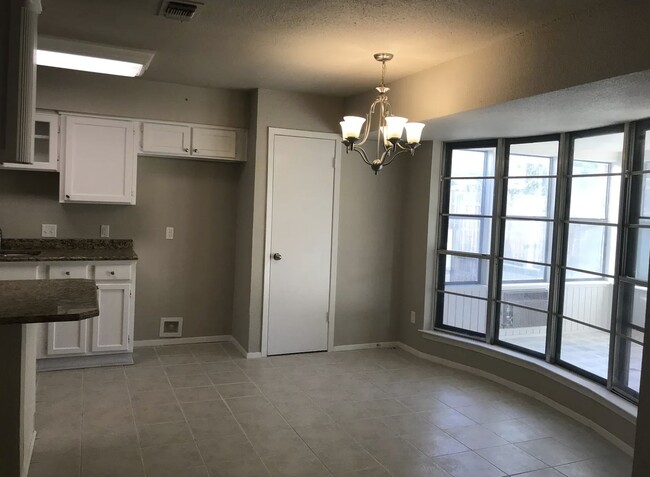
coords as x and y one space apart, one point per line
273 133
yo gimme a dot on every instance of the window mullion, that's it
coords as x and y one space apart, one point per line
496 247
558 248
620 262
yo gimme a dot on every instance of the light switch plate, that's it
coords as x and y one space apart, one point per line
413 317
48 230
105 231
169 233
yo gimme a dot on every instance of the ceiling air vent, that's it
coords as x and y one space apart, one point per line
181 11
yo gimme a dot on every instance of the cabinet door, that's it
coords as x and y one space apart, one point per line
166 139
46 145
67 337
111 327
99 161
211 142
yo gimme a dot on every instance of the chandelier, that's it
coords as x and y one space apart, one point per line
390 143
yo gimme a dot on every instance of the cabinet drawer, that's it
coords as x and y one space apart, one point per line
68 271
112 272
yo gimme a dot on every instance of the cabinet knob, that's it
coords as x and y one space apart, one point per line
196 150
112 273
67 273
277 257
186 149
67 196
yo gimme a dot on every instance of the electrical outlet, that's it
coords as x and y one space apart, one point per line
169 233
413 317
48 230
105 231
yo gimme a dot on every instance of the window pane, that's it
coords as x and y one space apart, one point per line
469 235
643 161
591 247
472 162
517 287
603 149
463 270
627 373
589 300
585 348
533 159
523 272
471 196
465 313
527 240
523 328
530 197
639 253
595 198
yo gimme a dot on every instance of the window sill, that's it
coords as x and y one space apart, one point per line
598 393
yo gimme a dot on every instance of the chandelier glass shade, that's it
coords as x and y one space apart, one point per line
355 129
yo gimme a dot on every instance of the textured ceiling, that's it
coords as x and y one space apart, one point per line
321 46
602 103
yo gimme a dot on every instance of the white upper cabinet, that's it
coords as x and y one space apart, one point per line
166 139
195 142
99 163
211 142
46 145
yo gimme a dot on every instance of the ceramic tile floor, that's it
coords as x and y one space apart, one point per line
202 410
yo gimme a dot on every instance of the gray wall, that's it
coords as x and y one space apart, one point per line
282 110
368 228
368 251
190 276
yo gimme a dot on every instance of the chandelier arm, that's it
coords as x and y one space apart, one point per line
362 153
368 124
391 157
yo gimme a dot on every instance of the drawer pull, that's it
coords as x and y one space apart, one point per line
67 273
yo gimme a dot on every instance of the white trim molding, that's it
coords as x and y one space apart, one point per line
273 132
352 347
243 351
177 341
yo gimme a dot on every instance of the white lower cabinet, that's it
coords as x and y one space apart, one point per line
105 339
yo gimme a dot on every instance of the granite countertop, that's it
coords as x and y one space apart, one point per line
41 301
50 250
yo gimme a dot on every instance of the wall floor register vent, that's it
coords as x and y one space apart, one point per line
171 327
181 11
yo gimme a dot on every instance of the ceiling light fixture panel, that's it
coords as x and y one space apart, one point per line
92 57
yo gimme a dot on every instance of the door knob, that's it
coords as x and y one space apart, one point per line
277 256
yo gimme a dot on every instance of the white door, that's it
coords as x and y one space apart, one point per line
166 139
217 143
111 327
302 198
100 161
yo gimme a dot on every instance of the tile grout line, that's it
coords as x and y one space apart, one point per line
333 420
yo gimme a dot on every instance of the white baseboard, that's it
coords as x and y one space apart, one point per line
524 390
177 341
27 458
242 350
352 347
87 361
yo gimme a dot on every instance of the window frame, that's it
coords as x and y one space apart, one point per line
559 222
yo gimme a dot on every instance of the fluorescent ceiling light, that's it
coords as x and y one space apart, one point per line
91 57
